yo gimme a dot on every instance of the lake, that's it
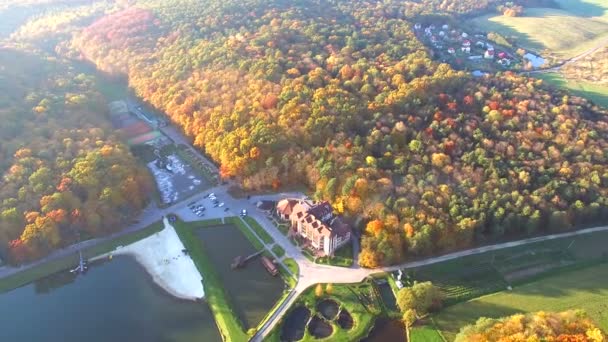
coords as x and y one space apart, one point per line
252 290
115 301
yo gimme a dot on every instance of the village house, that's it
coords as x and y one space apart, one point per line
504 62
451 51
465 35
466 46
417 26
489 54
316 223
445 27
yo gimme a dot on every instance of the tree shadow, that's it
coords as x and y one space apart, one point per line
582 9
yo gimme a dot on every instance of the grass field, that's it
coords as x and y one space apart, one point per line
594 92
476 275
261 232
343 257
425 334
583 289
57 265
565 32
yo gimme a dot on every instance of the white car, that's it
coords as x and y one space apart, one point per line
221 204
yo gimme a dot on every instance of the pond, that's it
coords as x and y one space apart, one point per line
345 320
295 324
328 309
387 330
388 296
252 290
535 60
114 301
319 328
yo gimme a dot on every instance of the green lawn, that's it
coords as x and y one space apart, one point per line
246 231
57 265
225 318
594 9
261 232
278 251
562 32
293 266
594 92
425 334
358 299
583 289
343 257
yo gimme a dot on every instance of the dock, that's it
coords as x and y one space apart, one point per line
269 265
240 261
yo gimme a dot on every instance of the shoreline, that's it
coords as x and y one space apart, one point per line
161 255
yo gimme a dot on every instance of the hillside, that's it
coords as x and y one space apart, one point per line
560 32
593 68
341 96
64 174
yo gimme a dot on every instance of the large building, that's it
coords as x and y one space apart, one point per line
316 223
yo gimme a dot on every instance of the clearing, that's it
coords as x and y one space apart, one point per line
583 289
564 32
595 92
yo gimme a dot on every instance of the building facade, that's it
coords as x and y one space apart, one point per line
316 223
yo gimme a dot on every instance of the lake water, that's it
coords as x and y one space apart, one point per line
252 290
114 301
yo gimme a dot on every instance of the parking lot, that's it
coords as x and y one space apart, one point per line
178 183
208 206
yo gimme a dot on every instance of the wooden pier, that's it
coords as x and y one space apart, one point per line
240 260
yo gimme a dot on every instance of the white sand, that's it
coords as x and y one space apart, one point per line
162 257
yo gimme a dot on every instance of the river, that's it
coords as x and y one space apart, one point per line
114 301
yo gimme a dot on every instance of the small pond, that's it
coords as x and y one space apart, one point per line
345 320
319 328
295 324
252 290
113 301
536 61
387 330
388 297
328 309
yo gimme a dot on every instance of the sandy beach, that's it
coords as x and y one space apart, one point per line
162 257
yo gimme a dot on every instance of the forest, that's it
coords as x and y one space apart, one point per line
66 176
564 326
341 96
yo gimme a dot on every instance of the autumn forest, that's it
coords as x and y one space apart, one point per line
337 95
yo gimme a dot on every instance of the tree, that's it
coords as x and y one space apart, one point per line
319 290
409 318
572 325
421 297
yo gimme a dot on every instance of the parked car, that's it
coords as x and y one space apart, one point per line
221 204
200 214
244 212
225 210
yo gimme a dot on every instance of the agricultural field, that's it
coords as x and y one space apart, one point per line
582 289
564 32
596 92
473 276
